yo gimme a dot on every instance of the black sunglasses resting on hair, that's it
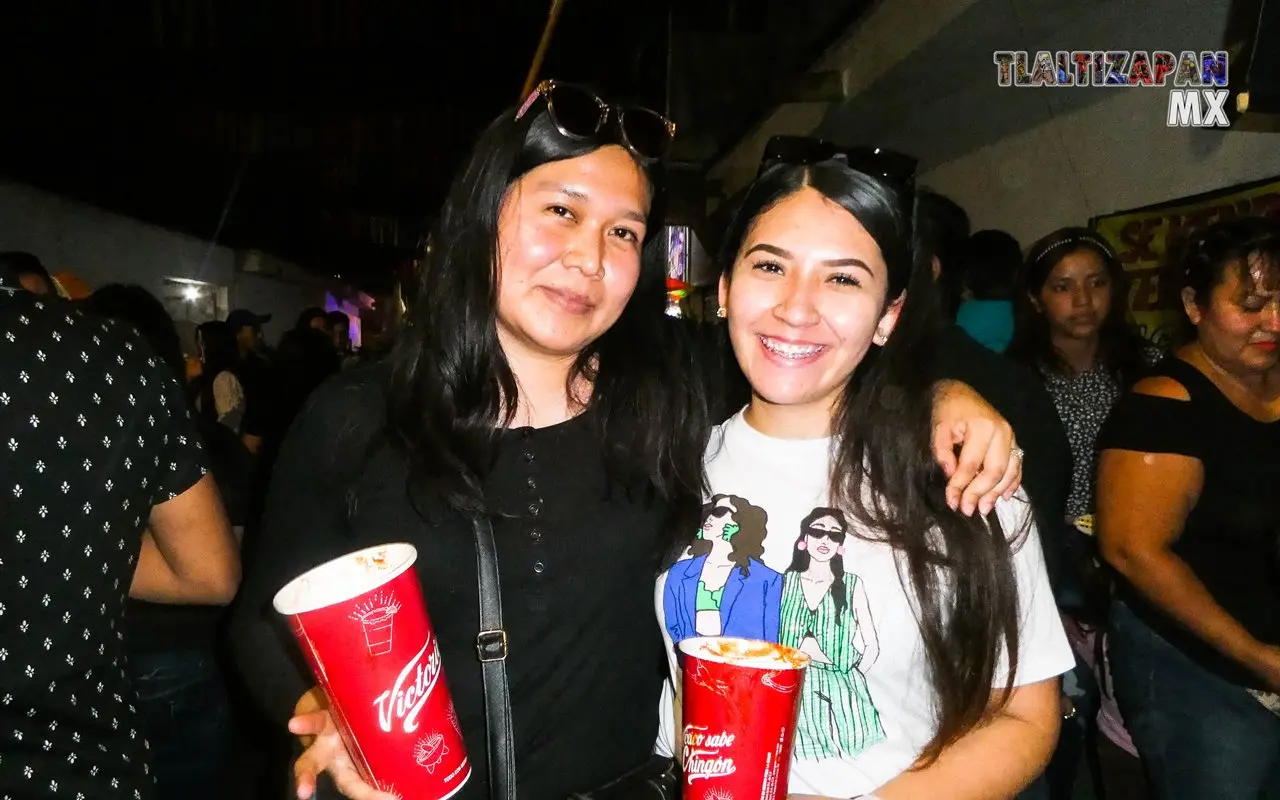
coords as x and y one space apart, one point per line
579 113
878 162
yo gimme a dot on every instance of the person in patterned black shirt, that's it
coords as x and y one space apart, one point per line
103 494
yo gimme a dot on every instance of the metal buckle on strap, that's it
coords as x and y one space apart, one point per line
492 645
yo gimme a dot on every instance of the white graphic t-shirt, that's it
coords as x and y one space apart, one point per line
772 561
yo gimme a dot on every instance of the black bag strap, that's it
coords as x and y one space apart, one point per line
491 647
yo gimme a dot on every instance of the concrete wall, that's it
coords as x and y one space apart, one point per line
889 33
919 78
1032 160
1112 156
101 247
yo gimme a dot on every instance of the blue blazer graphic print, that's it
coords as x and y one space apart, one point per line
749 607
731 538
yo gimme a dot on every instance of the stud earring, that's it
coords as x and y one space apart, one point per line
722 312
801 545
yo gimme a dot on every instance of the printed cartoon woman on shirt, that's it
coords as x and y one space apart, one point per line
825 613
724 589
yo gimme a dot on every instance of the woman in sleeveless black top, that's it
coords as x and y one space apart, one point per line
1189 515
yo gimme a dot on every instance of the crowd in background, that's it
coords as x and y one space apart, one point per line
1163 553
1153 562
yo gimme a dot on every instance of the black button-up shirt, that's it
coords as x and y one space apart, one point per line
576 553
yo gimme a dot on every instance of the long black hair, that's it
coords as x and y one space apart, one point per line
958 570
452 388
943 229
140 308
1120 347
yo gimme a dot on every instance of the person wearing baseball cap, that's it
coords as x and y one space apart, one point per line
247 327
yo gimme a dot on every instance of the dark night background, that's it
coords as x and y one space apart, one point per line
326 131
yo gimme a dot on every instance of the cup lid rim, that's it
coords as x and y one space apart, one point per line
285 601
693 642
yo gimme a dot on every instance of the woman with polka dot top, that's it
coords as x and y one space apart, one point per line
1070 327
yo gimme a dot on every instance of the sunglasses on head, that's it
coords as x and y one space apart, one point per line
579 113
877 162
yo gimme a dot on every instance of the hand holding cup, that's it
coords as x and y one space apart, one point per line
325 752
380 720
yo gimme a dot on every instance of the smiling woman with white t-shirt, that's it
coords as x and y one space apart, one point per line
934 637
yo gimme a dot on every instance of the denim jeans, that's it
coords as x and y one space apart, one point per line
187 719
1199 735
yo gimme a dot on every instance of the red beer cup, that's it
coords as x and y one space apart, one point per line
363 628
740 701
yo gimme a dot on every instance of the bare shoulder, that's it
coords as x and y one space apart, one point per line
1162 386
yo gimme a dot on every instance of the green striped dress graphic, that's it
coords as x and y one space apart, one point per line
837 716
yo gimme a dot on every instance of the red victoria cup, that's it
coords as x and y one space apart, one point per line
363 627
740 701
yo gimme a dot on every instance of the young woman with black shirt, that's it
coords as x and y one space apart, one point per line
536 381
